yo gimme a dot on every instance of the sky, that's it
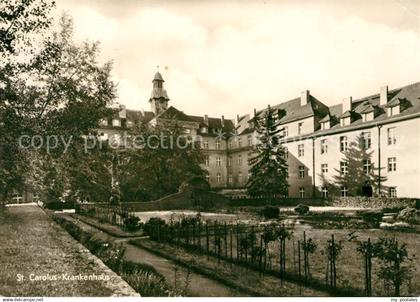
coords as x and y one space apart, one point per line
229 57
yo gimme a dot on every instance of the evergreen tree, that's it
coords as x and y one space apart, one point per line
268 164
361 172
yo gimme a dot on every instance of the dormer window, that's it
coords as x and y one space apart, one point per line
130 124
103 122
204 130
367 117
116 122
345 121
395 110
325 125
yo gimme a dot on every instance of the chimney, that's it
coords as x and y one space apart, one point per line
123 112
255 113
222 121
237 119
347 104
304 97
383 95
206 119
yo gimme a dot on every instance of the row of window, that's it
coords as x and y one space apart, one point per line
219 178
344 191
219 161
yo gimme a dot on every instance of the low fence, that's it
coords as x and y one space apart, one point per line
297 258
115 215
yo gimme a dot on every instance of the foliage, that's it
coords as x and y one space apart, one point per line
268 164
152 224
302 209
372 217
132 223
148 173
195 184
407 215
58 90
270 212
191 220
59 205
394 268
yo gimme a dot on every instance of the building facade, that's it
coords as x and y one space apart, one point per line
316 137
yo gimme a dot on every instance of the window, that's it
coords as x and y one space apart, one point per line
392 164
17 197
207 161
367 166
204 130
301 192
366 117
116 122
130 124
240 177
208 178
301 150
229 161
344 168
230 178
392 140
300 126
285 131
392 192
239 142
218 144
393 110
218 161
366 140
324 191
324 168
344 191
324 146
325 125
345 121
218 178
286 152
103 122
240 160
205 144
343 143
186 131
230 144
301 171
250 140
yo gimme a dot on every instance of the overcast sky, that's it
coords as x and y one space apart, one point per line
228 57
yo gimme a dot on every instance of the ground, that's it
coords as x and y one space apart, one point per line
34 246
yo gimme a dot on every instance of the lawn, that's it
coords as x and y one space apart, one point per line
34 247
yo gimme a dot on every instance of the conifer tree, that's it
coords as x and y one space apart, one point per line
268 164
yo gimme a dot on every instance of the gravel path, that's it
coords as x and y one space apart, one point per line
39 258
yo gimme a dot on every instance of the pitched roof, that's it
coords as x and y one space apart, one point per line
173 113
408 95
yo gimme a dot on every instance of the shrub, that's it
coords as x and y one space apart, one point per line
302 209
153 222
407 215
416 204
372 217
132 223
270 212
58 205
195 184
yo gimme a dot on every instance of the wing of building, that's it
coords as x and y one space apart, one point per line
316 138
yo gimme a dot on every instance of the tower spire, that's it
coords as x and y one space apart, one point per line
159 98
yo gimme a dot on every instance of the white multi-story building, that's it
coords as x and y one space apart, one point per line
316 139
